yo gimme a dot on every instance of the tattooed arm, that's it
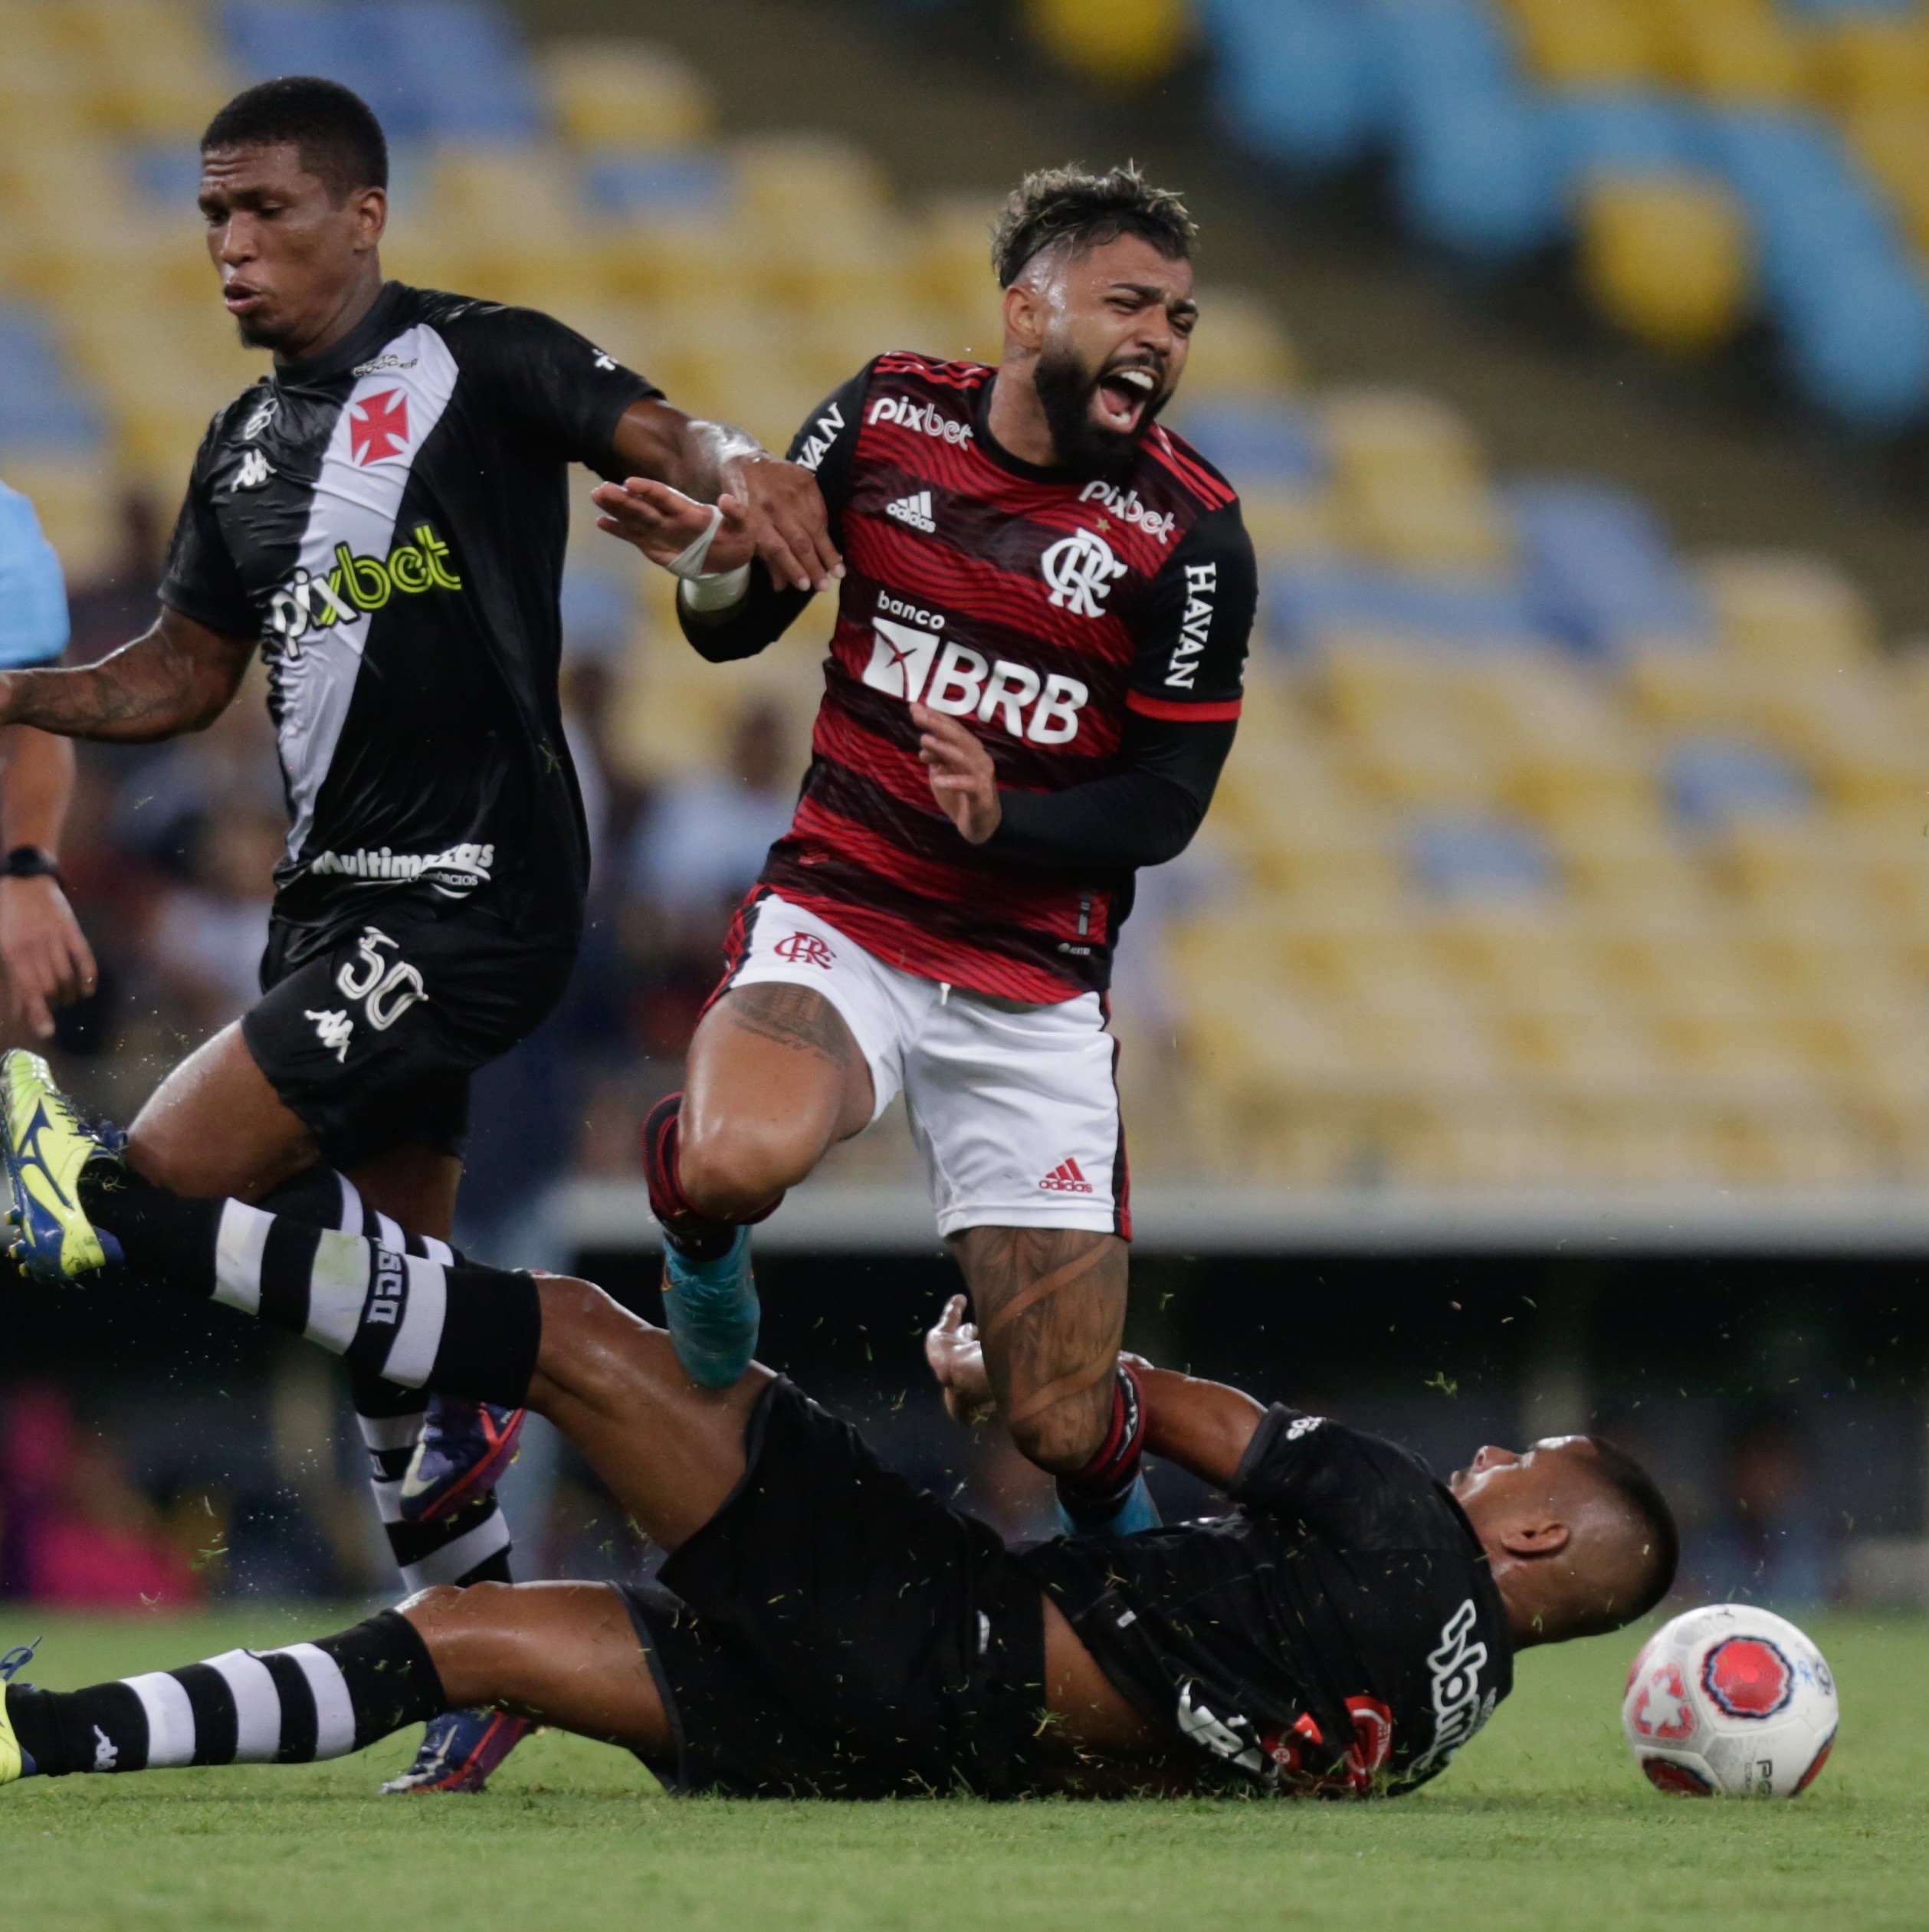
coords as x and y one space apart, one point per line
180 677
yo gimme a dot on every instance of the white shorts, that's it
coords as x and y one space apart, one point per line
1014 1110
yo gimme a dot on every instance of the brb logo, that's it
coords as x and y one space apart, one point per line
1080 570
919 667
805 949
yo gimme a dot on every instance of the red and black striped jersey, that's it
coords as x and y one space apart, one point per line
1082 628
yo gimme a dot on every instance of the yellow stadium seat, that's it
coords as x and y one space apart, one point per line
1872 60
618 94
1287 523
949 261
1115 43
798 188
1587 43
1667 257
77 497
1421 522
1689 690
1787 609
1891 139
1371 430
1734 51
1845 725
1239 348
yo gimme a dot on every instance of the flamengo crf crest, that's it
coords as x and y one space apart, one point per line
1080 569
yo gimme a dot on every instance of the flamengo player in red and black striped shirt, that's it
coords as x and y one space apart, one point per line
1034 683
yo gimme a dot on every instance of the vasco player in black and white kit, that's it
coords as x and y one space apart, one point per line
384 517
824 1629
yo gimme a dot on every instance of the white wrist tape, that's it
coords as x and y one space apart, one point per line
721 592
689 563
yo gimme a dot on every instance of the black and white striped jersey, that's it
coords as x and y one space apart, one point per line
389 520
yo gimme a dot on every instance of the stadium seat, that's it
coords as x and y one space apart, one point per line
1587 43
624 97
1122 43
1619 131
1733 50
1715 778
1666 256
1298 80
1239 349
1867 60
1788 610
1599 568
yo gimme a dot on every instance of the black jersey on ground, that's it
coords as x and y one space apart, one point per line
389 519
1339 1630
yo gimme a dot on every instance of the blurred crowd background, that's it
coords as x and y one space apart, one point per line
1575 840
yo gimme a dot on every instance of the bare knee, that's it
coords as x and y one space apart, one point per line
737 1169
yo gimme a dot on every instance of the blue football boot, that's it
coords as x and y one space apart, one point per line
464 1449
1136 1511
711 1311
15 1763
459 1749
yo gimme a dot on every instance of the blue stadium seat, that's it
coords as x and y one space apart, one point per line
37 407
1303 604
1715 778
1597 568
1462 857
675 186
1623 129
1297 79
1841 279
449 68
1257 442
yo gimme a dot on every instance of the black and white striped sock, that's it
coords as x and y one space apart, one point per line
296 1706
471 1545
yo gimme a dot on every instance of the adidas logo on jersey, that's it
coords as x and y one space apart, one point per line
915 511
1065 1179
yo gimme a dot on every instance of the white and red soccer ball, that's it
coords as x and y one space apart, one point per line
1731 1700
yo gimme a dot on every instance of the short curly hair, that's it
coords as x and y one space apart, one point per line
1073 205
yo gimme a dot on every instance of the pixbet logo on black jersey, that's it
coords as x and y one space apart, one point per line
359 584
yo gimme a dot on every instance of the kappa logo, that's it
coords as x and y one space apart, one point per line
254 470
805 949
1202 586
358 585
1080 570
605 361
952 677
336 1031
922 418
1066 1179
106 1752
915 511
378 427
823 433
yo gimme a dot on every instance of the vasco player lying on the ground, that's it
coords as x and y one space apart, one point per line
384 515
1033 686
822 1628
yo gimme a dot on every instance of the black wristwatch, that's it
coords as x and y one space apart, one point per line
30 862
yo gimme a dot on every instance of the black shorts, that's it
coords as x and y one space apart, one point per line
370 1028
834 1632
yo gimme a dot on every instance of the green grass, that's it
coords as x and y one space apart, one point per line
1543 1825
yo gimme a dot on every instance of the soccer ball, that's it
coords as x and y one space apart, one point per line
1730 1699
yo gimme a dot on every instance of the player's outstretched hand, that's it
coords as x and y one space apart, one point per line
963 780
663 522
958 1362
788 524
48 963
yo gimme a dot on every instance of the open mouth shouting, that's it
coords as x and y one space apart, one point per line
1123 396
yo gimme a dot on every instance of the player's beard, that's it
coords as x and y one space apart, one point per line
1065 390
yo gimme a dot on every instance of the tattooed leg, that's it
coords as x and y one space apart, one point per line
1050 1306
775 1080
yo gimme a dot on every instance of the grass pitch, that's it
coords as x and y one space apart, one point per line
1542 1824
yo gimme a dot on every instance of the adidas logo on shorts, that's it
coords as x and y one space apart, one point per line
1065 1179
915 511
